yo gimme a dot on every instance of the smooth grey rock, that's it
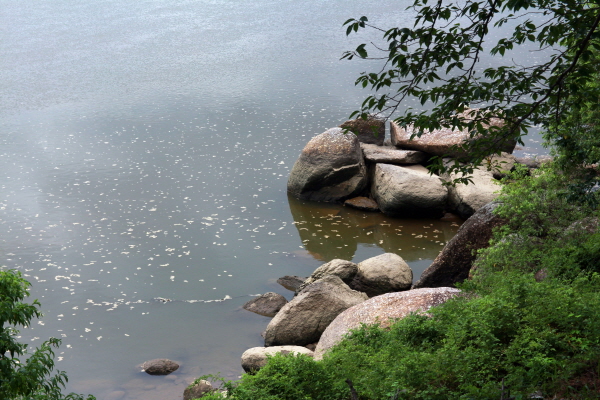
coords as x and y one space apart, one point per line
408 191
267 304
500 165
465 200
198 390
383 310
370 130
382 274
391 155
291 282
255 358
345 270
160 366
303 320
454 262
330 168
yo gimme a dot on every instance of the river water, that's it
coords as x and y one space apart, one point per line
145 148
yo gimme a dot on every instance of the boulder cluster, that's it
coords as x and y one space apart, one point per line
353 164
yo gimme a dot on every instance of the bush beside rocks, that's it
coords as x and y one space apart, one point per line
255 358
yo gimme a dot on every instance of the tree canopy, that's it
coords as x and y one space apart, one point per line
438 62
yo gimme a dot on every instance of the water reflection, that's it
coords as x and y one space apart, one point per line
331 231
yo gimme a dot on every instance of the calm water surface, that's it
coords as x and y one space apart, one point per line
145 147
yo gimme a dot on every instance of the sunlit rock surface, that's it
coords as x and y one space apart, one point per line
330 168
382 310
408 191
255 358
382 274
303 320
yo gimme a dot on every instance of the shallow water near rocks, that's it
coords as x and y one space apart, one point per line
145 148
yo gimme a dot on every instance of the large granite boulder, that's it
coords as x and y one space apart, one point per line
331 168
391 155
443 142
383 310
453 264
382 274
370 130
408 191
160 366
197 390
255 358
345 270
303 320
465 200
267 304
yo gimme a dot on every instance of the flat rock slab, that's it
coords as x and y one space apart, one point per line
267 304
391 155
362 203
442 142
383 310
454 262
257 357
160 366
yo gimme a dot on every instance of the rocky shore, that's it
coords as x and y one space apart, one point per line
362 171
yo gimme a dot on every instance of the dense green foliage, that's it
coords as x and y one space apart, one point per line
527 324
25 374
437 61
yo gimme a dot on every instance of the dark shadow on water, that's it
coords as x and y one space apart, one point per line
330 231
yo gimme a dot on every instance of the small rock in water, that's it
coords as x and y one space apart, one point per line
267 304
291 282
160 366
362 203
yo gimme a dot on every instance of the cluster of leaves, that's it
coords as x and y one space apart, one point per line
25 374
437 61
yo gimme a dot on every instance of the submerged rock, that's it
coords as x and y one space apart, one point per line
362 203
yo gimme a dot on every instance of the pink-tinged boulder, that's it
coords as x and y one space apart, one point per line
330 168
383 310
370 130
408 191
440 142
303 320
454 262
